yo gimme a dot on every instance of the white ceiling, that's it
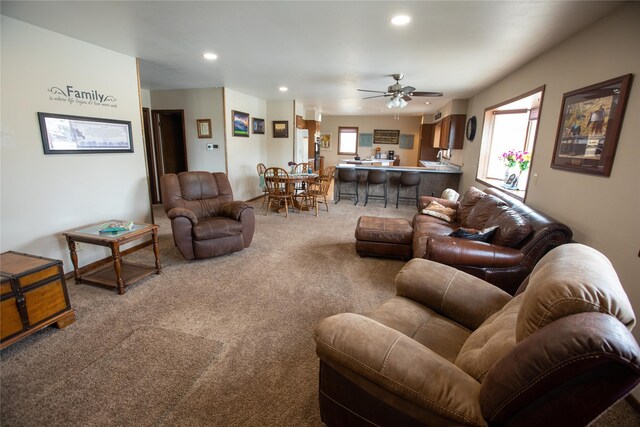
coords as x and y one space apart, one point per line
321 50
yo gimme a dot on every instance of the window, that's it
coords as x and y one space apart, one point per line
510 127
347 140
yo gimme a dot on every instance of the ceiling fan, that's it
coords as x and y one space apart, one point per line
399 94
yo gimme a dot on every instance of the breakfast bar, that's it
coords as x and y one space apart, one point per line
434 179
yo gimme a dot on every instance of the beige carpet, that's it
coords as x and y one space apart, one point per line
225 341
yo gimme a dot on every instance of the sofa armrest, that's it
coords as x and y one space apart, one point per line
182 212
458 251
233 209
586 354
450 292
400 366
425 200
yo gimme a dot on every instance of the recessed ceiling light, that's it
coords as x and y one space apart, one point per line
210 56
283 88
400 20
428 103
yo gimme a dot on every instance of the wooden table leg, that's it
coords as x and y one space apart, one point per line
156 252
74 259
117 265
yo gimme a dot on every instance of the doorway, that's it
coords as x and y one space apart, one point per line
170 147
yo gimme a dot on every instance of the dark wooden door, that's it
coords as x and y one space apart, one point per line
171 150
152 171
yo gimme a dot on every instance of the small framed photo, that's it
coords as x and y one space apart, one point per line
258 126
204 128
589 127
63 134
240 123
281 129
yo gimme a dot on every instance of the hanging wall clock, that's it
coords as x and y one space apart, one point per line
471 128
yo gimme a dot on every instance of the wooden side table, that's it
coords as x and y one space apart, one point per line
122 273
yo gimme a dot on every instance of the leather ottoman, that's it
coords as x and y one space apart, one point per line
384 237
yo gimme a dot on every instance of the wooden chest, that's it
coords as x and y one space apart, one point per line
33 295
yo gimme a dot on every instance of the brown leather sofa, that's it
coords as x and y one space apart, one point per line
205 220
523 236
451 349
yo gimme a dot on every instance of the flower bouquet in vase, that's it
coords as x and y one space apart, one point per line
516 162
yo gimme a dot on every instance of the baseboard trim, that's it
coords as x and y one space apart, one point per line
107 260
255 198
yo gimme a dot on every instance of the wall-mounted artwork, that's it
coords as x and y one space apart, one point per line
383 136
258 126
589 127
240 123
325 141
62 134
365 140
281 129
406 141
204 128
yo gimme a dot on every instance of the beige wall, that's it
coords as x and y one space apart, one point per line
280 151
197 104
44 195
243 154
602 212
409 125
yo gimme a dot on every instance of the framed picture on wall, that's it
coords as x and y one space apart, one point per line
258 126
281 129
204 128
325 141
589 127
240 123
63 134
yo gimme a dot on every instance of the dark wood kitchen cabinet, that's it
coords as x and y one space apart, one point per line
452 132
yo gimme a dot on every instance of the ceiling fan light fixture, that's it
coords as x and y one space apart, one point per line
389 103
400 20
403 103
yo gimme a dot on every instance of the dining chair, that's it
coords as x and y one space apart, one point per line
300 187
319 189
261 168
276 181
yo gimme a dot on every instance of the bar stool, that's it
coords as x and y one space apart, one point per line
408 179
347 175
376 177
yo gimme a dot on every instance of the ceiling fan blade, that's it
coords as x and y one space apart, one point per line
375 96
375 91
426 93
406 98
408 89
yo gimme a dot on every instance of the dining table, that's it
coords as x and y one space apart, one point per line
292 179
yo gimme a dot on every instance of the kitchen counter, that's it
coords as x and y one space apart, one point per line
434 179
452 169
370 162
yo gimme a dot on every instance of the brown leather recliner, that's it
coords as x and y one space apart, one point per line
205 220
451 349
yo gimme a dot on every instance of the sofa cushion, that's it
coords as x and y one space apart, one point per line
215 228
482 211
437 210
571 279
492 340
513 228
434 331
483 235
469 199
